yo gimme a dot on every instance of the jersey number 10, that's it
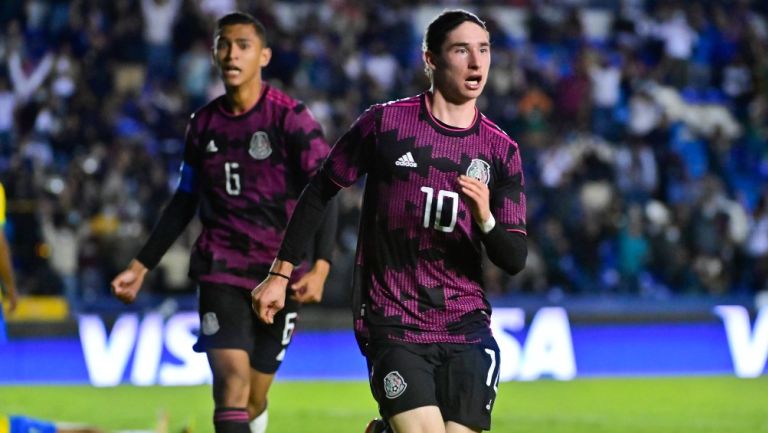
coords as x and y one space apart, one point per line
440 210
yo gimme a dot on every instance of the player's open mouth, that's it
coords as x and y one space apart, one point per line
231 71
473 82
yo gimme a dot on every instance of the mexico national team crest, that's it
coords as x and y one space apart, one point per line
210 323
480 170
394 385
260 147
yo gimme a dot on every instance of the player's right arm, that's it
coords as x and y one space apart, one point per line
175 217
348 161
127 284
173 220
269 297
6 267
6 273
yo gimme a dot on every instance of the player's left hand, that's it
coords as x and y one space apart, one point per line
309 288
477 197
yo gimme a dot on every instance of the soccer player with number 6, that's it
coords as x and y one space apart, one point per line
443 182
248 155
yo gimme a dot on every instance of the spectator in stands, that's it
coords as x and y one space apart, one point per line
756 248
159 17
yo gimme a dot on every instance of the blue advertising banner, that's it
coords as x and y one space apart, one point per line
151 350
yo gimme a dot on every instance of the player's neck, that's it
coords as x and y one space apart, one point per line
242 98
458 115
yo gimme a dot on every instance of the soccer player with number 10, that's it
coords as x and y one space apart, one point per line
443 182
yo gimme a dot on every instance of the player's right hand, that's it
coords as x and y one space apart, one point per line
268 298
127 284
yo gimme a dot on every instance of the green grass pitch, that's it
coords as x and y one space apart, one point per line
637 405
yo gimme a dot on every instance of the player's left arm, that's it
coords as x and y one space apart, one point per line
6 272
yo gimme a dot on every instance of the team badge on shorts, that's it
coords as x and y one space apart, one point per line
260 147
394 385
210 324
480 170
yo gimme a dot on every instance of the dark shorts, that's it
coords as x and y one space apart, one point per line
460 379
228 322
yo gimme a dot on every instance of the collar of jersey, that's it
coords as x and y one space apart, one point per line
444 128
256 106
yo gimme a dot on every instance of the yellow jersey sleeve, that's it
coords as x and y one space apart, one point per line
5 423
2 205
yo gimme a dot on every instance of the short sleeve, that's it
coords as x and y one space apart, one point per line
2 205
305 139
192 160
351 156
192 144
507 192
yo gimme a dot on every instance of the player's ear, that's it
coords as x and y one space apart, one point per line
214 60
266 56
214 49
430 60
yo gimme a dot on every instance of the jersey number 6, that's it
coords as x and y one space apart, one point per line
232 178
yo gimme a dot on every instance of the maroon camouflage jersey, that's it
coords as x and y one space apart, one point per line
419 253
249 170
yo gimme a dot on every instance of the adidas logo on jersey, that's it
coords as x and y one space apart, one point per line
406 161
211 147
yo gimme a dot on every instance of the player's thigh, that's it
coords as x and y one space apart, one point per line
270 342
230 363
425 419
453 427
467 383
402 378
228 322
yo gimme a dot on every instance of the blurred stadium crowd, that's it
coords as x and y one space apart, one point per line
643 127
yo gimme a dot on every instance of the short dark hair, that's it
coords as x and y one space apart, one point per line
238 17
439 28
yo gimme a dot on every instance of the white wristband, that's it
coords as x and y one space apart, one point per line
488 224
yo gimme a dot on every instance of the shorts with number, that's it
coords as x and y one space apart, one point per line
228 322
460 379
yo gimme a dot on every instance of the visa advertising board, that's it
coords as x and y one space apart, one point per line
153 350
